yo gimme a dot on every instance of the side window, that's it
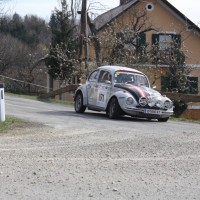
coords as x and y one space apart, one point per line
105 76
93 76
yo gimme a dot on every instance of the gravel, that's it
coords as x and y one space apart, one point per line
114 162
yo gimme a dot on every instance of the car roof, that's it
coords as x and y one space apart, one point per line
114 68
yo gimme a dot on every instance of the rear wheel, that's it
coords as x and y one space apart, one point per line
163 119
78 103
113 109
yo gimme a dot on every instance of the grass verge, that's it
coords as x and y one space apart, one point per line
48 100
10 123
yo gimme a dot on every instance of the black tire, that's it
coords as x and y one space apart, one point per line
114 109
78 103
163 119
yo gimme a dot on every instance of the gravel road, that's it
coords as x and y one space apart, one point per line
64 155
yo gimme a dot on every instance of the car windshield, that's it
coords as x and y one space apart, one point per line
130 77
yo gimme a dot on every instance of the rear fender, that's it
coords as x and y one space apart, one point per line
82 89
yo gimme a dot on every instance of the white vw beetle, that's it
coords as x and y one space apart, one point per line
122 91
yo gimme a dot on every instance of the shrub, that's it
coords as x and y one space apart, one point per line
179 107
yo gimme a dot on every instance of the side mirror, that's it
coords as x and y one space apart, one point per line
108 82
154 87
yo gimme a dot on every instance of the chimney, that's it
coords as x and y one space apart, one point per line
122 2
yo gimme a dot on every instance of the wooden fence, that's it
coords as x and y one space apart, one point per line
59 91
185 97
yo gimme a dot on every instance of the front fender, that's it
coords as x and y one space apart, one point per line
121 97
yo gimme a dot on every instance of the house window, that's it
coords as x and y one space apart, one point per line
130 38
133 42
166 47
149 7
167 40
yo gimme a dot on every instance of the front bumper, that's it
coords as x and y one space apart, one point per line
148 113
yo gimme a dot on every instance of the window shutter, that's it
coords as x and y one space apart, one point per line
141 40
155 39
177 40
193 85
164 84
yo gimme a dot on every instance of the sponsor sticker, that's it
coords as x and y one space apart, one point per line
101 97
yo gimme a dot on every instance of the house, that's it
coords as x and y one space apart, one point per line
164 23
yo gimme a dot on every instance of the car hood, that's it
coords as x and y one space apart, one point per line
139 91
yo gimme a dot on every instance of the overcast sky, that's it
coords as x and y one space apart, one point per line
43 8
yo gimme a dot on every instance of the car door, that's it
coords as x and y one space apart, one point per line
104 88
92 88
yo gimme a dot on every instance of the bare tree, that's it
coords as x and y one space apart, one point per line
120 43
2 7
19 64
7 52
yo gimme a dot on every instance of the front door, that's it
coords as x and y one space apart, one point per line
104 89
92 88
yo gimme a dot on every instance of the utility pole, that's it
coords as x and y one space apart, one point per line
84 34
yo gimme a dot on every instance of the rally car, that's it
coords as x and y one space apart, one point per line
122 91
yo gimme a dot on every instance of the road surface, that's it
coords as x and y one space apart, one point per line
64 155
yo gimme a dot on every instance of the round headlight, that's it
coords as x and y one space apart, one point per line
167 104
129 100
151 102
159 104
143 101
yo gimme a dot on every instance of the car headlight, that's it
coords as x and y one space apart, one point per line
151 102
129 100
159 104
167 104
142 101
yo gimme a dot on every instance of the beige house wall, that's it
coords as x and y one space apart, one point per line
166 21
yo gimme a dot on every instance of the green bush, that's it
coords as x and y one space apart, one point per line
179 107
10 123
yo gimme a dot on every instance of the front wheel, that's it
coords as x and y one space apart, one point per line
113 109
78 103
163 119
